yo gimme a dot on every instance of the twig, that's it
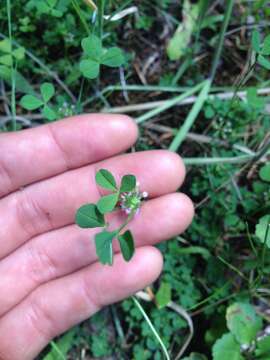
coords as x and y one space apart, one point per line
184 314
190 100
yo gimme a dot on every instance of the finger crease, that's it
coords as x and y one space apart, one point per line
91 295
40 318
63 152
31 216
41 266
6 178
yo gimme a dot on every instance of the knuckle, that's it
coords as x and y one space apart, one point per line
6 182
31 216
64 154
39 317
41 267
91 295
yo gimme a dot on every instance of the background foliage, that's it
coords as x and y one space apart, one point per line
148 61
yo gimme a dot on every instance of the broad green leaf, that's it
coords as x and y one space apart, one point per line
64 344
113 57
89 68
22 83
264 62
263 230
51 3
6 60
265 172
263 346
127 245
49 113
243 322
92 47
226 348
254 100
255 41
104 248
179 43
106 180
5 46
88 216
266 46
19 53
107 203
164 295
30 102
128 183
47 91
56 13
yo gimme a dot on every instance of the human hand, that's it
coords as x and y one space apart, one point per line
50 279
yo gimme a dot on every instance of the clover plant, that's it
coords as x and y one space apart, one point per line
126 198
95 55
32 102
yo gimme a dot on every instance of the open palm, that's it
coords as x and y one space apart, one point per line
50 277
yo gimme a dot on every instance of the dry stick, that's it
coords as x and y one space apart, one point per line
184 314
204 139
190 100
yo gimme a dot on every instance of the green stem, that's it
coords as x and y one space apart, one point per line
168 104
101 7
80 15
225 23
192 115
218 160
13 71
57 350
129 218
166 354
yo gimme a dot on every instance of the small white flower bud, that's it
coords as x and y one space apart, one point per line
244 347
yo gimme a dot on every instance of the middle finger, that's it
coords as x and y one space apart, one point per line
51 204
60 252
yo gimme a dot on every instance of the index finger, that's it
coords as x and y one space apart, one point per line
35 154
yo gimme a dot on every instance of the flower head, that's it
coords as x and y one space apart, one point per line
130 202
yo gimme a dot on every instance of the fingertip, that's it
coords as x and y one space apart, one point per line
123 125
143 269
181 204
176 166
151 259
171 169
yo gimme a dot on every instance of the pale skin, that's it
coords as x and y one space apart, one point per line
50 277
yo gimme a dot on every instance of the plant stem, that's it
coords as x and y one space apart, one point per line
13 71
166 354
218 160
57 350
168 104
80 15
225 23
192 115
101 7
129 218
